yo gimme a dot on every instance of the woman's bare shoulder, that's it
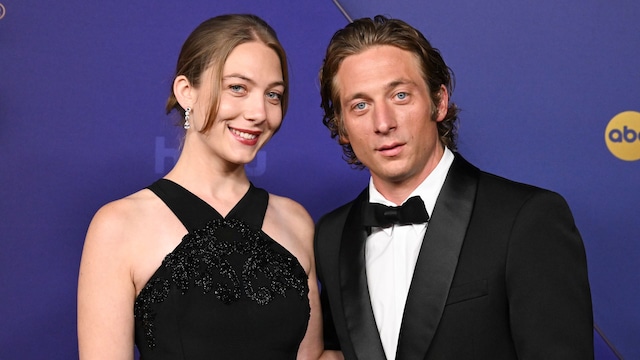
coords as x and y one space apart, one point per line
124 208
290 211
288 223
119 217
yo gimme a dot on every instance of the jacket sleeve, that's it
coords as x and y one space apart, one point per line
547 283
330 335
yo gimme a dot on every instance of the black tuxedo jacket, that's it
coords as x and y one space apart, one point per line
501 274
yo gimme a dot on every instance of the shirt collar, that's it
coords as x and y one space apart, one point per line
428 190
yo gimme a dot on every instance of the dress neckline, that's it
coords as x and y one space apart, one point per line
194 213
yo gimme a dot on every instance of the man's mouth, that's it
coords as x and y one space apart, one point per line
390 149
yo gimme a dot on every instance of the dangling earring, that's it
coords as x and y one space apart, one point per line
187 112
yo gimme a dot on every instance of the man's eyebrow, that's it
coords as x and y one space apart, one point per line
389 86
398 82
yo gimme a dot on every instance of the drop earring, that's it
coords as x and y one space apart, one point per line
187 112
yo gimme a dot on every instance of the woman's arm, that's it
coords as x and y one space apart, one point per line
311 346
290 223
106 291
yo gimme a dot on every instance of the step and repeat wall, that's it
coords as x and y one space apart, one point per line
549 91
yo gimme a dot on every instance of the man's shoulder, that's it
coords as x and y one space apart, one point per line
492 179
510 187
498 186
338 214
509 191
336 218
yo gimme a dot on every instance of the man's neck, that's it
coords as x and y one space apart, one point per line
398 190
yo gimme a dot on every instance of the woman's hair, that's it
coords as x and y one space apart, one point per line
210 44
366 33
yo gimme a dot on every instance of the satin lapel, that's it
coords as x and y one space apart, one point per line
437 260
361 324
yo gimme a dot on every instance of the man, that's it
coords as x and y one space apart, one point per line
492 269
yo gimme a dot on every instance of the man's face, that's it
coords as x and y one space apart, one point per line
386 110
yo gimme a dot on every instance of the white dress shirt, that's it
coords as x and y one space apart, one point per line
391 254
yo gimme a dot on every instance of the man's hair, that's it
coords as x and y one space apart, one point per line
365 33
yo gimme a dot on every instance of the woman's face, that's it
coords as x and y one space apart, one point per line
250 104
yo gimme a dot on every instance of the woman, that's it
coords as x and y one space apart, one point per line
202 264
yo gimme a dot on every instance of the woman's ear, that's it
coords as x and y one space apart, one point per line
185 92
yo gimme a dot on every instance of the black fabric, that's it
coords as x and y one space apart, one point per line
227 291
411 212
501 274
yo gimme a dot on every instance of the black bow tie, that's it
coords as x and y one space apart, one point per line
411 212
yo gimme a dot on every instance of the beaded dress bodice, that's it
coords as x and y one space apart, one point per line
227 291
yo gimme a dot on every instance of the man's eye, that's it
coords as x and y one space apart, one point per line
360 106
401 95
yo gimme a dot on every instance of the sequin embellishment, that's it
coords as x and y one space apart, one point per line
202 261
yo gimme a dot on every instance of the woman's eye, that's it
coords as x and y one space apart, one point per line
360 106
272 95
236 88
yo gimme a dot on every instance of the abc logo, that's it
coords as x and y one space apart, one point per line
622 136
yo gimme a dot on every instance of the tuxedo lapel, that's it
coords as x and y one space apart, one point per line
437 260
358 312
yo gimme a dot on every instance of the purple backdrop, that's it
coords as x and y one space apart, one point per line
82 92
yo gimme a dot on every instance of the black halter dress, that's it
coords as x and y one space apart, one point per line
227 291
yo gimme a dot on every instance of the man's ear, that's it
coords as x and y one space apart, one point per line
343 137
185 92
443 106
